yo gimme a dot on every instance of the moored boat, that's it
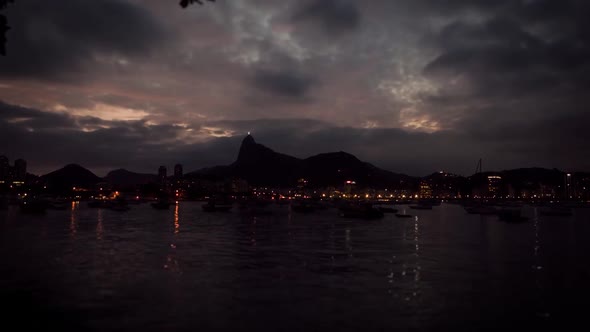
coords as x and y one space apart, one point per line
119 205
120 208
58 204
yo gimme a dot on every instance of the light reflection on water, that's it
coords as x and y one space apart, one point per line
288 271
176 218
73 221
99 224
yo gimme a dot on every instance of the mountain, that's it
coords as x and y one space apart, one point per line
262 166
335 168
125 178
534 175
71 175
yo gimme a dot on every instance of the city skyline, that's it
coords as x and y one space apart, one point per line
412 86
176 168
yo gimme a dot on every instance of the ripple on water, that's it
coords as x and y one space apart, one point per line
183 268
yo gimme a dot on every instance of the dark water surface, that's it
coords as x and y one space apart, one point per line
183 269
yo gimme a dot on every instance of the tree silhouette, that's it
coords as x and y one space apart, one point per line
4 21
3 26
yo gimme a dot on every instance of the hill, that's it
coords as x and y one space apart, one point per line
71 175
261 166
125 178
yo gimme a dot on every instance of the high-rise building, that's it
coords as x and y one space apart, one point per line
494 185
4 168
178 171
568 186
20 170
425 189
162 174
349 187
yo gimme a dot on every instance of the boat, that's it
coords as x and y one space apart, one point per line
119 205
511 215
120 208
162 201
59 204
363 211
403 215
385 209
216 207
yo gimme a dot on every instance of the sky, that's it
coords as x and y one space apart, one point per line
411 86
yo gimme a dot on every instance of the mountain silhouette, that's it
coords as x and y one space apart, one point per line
261 166
125 178
70 176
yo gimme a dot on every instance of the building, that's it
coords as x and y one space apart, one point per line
582 186
349 187
4 169
20 170
240 186
178 171
494 185
162 174
568 186
425 189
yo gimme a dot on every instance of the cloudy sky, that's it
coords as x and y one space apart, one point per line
412 86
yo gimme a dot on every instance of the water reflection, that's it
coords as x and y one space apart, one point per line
417 253
348 243
253 232
391 266
465 268
171 263
416 269
176 219
99 226
73 220
538 268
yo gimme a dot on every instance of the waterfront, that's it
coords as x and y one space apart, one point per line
184 269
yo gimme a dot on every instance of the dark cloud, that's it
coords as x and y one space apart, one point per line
283 83
335 16
142 147
409 85
58 39
51 140
505 45
520 55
